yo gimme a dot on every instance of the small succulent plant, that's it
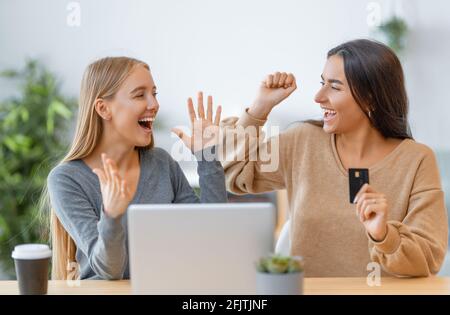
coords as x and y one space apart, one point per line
276 264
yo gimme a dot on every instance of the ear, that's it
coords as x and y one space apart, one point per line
103 108
370 103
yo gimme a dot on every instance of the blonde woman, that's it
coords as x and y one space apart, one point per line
112 163
399 221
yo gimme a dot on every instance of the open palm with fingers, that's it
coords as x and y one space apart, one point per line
204 129
115 193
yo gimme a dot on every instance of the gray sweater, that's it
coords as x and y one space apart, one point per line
102 242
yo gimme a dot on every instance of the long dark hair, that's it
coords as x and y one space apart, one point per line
376 81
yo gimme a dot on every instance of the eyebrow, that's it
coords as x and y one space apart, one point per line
332 80
141 88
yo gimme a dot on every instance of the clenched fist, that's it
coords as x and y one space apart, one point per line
273 90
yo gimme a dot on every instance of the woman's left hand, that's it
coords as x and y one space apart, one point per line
205 130
372 210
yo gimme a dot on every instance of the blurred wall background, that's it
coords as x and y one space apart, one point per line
226 47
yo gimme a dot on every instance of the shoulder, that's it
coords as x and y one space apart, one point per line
66 171
420 159
305 131
417 150
71 176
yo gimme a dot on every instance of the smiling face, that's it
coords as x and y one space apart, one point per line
341 113
131 111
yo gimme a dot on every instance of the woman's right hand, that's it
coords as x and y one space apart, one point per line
115 193
273 90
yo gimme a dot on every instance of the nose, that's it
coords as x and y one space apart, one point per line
152 104
321 96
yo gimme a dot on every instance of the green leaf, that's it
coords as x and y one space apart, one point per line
9 74
18 142
278 264
10 120
11 144
56 108
24 114
50 119
4 229
61 109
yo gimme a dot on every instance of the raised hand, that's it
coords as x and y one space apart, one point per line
204 130
273 90
115 193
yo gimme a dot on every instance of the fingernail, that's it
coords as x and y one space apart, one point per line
355 200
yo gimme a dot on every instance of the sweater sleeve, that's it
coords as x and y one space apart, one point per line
251 163
211 178
417 245
101 239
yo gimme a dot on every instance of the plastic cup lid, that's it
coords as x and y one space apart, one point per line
31 251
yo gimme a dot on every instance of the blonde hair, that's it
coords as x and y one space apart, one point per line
101 79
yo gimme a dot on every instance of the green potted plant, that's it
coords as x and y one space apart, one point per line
394 32
279 274
33 125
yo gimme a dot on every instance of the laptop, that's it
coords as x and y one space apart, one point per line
198 248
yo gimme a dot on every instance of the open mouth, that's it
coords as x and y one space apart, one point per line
328 114
146 123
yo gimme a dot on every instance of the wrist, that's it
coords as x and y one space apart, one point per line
112 214
259 111
379 236
206 154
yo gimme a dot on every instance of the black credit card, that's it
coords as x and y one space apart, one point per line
357 177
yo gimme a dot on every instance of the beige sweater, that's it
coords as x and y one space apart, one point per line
324 227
